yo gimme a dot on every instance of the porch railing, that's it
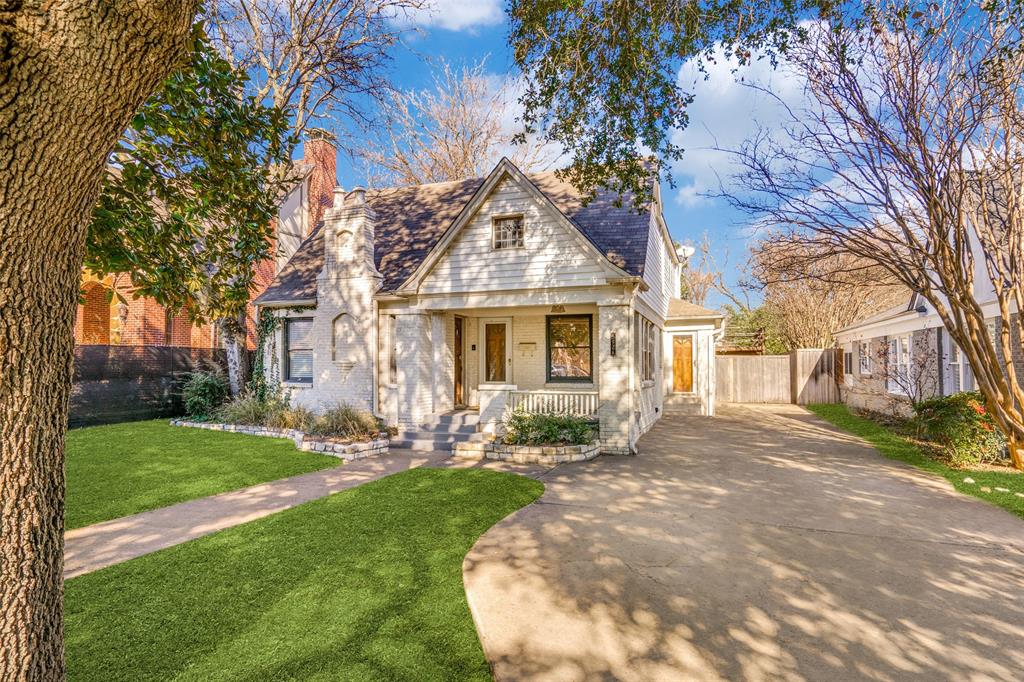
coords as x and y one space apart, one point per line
578 403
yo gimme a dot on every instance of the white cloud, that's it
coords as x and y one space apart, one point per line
458 15
726 111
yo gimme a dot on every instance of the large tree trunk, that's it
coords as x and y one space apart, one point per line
72 72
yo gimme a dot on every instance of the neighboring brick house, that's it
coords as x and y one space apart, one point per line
906 351
451 303
111 314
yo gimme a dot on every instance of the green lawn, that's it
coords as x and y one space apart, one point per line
123 469
895 446
362 585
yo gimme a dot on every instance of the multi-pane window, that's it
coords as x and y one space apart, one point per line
648 337
864 354
508 232
898 369
298 350
570 348
848 362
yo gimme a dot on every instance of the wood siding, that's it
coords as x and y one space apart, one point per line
551 257
658 271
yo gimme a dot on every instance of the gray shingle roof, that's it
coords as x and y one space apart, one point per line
411 221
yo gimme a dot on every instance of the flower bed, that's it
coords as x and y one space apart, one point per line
528 454
345 450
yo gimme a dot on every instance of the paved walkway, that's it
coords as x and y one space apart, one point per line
757 545
104 544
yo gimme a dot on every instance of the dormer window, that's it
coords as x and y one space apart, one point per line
508 232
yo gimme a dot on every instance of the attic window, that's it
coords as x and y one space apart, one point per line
508 232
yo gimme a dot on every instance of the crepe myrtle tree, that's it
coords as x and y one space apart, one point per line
908 154
190 194
601 78
72 75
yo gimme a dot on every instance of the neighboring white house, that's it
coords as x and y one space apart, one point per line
491 294
907 350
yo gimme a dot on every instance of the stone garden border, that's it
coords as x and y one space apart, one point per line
527 454
346 451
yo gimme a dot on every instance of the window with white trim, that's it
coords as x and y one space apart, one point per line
648 338
508 232
864 356
298 350
898 367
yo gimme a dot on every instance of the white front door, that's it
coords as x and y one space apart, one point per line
496 344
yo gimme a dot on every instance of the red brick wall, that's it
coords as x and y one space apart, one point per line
323 178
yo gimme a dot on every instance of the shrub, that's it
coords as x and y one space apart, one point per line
203 392
345 421
962 426
522 428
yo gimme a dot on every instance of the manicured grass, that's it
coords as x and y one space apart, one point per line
123 469
362 585
895 446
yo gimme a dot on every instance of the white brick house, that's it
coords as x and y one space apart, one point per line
473 297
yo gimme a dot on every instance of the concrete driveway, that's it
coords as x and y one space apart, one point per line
757 545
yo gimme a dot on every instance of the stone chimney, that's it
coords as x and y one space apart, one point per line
320 153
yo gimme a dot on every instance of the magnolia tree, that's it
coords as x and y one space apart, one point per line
908 155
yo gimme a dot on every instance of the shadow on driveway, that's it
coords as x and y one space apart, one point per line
758 544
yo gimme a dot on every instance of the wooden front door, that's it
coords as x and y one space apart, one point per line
682 364
460 395
497 356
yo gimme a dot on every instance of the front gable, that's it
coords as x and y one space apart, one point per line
554 252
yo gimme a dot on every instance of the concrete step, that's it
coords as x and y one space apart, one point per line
453 419
432 440
447 428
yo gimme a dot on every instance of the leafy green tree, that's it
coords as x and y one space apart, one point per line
602 76
191 191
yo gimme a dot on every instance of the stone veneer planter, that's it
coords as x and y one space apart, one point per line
528 454
347 451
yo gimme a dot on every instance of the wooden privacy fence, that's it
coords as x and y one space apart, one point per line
122 383
804 376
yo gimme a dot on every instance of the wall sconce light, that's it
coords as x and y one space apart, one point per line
612 348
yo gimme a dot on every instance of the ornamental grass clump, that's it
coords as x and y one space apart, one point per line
522 428
962 426
345 421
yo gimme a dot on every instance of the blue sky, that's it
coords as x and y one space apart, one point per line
723 114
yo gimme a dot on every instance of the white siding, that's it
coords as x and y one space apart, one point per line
552 256
658 271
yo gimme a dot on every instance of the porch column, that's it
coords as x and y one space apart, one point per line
415 367
615 390
443 362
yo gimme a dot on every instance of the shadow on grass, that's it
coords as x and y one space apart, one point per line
365 584
892 445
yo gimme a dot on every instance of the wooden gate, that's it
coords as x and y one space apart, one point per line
802 377
752 379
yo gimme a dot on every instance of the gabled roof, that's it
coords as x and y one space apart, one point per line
411 222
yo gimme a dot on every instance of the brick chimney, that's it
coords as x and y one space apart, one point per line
320 153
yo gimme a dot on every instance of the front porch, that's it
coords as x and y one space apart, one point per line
561 358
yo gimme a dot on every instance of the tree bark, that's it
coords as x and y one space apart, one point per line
72 72
233 334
